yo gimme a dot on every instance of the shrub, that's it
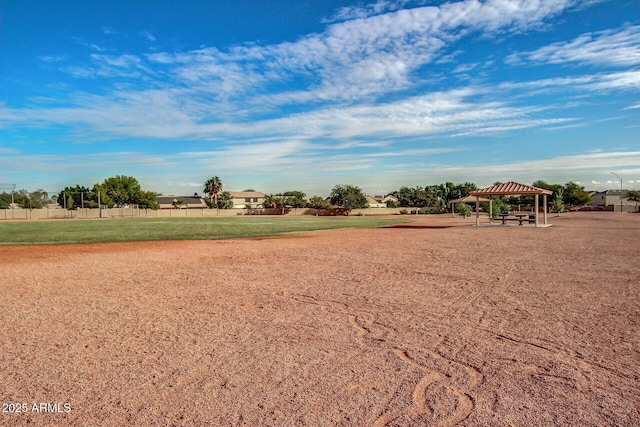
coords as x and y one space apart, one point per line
463 209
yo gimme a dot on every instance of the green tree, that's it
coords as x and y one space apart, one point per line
498 206
79 195
225 200
271 201
123 190
446 192
114 191
294 199
575 195
35 200
464 189
436 194
104 198
556 188
21 198
39 198
348 197
634 196
415 197
70 203
148 200
5 200
463 209
213 187
318 203
558 202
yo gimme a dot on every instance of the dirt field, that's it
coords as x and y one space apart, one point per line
441 323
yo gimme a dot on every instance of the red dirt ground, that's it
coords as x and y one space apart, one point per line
440 324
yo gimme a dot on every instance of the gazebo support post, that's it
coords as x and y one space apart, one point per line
490 209
537 209
477 210
544 198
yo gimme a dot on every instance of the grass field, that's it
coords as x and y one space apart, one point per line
89 231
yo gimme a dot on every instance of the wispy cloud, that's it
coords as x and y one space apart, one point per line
51 58
611 47
623 80
109 31
147 35
334 76
361 12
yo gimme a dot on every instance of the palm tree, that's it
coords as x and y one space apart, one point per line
213 187
225 201
271 201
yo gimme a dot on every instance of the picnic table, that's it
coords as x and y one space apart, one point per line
520 217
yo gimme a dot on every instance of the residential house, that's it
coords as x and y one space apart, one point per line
373 203
612 198
247 199
181 202
388 198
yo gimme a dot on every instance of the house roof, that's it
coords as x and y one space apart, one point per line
372 200
510 189
244 194
615 192
185 199
189 201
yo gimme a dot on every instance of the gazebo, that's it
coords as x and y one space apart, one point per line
513 189
467 199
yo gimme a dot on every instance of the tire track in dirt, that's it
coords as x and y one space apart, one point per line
444 390
574 369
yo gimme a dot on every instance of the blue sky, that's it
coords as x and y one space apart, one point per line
302 95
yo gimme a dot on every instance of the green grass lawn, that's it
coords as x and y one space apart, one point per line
138 229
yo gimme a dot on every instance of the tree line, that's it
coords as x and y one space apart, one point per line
116 191
120 190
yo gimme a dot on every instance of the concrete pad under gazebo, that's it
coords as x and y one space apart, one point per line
513 189
468 199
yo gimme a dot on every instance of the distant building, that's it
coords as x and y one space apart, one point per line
181 202
247 199
373 203
389 198
611 198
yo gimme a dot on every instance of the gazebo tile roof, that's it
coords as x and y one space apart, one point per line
510 188
468 199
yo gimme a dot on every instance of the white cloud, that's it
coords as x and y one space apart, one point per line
51 58
368 56
340 72
623 80
611 47
108 30
147 35
361 12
